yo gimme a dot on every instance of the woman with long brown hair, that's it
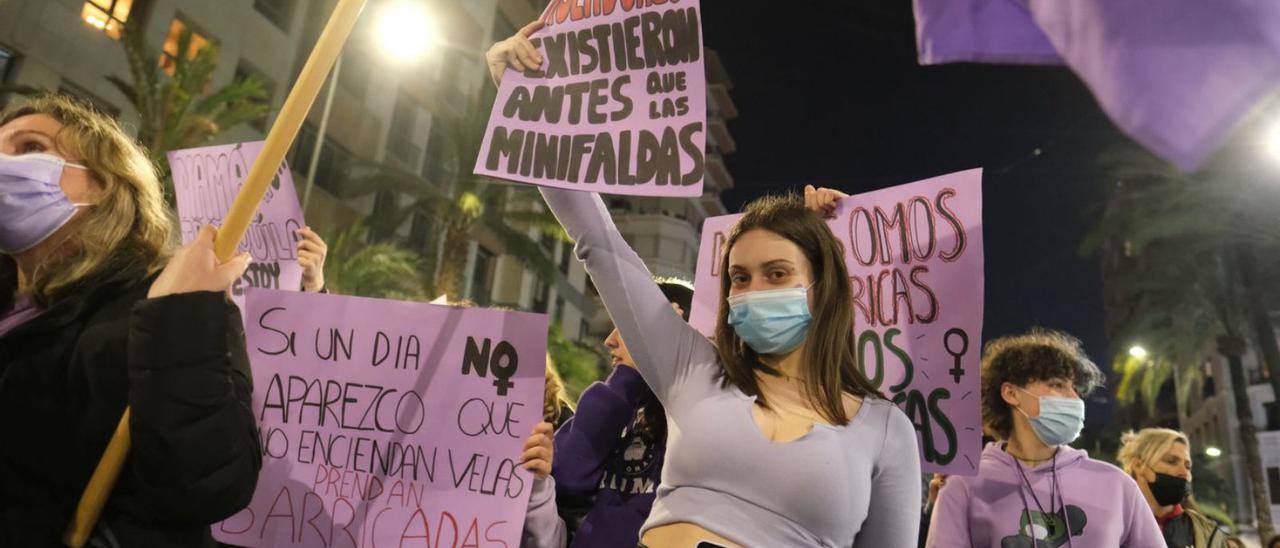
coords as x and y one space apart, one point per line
97 312
775 437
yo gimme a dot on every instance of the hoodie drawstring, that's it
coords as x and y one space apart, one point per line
1055 496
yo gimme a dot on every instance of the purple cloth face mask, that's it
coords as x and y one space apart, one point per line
32 204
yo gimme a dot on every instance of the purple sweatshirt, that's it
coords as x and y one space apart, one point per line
836 486
600 454
1095 502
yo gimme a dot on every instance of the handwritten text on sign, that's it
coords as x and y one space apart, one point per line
619 105
914 254
387 423
206 181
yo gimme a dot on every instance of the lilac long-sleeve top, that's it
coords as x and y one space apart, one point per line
852 485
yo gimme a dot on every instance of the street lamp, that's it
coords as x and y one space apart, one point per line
404 33
1138 352
1213 452
1271 138
404 30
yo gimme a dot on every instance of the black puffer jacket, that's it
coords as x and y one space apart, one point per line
65 377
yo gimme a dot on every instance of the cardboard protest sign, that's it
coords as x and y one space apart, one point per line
207 179
915 259
387 423
619 105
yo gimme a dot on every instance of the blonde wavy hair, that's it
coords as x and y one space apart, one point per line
1146 446
555 398
128 233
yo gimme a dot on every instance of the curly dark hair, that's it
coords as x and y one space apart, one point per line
1040 355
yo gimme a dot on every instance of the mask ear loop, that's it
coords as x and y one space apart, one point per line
66 164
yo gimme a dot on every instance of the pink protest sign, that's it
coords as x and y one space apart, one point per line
387 423
207 179
619 105
914 254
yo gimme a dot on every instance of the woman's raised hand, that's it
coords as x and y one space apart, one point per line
195 268
516 51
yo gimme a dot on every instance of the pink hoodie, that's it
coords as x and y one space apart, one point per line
1001 509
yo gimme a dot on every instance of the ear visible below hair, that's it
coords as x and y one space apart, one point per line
1009 393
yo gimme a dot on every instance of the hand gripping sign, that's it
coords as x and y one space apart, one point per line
619 105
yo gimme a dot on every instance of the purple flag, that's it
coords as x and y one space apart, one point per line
1178 76
982 31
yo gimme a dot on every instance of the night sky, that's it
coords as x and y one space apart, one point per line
829 93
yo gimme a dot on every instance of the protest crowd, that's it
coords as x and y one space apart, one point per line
761 429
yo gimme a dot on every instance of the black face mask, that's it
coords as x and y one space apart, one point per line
1168 490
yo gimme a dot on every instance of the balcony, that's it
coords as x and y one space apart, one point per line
667 244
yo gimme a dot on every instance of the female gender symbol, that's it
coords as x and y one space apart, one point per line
957 371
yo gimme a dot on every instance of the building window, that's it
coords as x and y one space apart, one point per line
436 162
108 16
8 60
541 296
566 251
400 136
355 73
1273 484
244 71
172 43
558 317
279 12
334 167
482 276
584 329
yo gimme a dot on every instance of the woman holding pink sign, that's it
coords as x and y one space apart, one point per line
775 437
97 312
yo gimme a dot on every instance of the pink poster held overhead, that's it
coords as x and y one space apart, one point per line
618 105
915 259
387 423
206 181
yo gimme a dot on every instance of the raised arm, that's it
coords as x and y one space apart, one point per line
893 518
663 345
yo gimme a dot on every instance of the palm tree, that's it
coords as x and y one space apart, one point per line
180 111
579 364
456 214
380 270
1183 280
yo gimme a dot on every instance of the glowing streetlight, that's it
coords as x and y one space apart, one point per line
1271 137
1138 352
404 30
404 33
1213 451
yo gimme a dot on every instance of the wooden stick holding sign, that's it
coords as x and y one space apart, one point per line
281 136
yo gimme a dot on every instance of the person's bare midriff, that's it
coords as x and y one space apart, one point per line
682 535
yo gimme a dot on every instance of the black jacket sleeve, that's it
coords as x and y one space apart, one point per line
195 455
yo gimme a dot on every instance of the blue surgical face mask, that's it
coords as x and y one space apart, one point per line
773 321
1060 420
32 204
